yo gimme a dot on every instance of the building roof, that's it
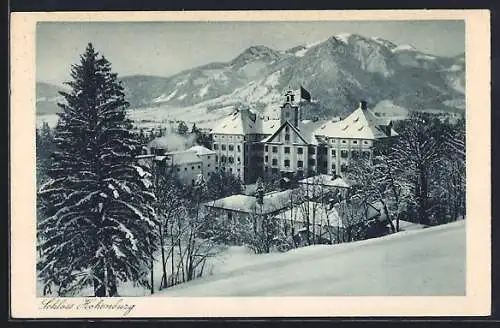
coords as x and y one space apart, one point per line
273 202
200 150
242 122
305 131
319 213
360 124
325 180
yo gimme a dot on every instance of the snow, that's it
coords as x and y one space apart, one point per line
182 96
425 57
204 90
301 52
404 47
162 98
273 79
427 262
453 68
344 37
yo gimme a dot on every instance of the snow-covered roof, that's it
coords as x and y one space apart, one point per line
319 213
305 131
325 180
273 202
200 150
360 124
242 122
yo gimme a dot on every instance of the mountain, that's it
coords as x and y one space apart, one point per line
338 72
47 96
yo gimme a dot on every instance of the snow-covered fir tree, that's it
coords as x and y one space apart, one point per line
97 217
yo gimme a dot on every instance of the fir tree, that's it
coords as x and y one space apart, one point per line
98 218
182 129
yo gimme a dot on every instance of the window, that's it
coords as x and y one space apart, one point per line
333 167
312 162
343 168
275 162
365 142
208 157
355 142
231 147
287 150
265 148
366 154
287 114
325 164
300 163
344 141
334 153
223 147
287 163
355 154
178 169
239 148
222 137
325 151
230 169
223 159
275 149
185 169
287 129
192 167
239 170
274 171
208 165
230 159
199 166
216 146
266 159
287 137
239 159
312 151
216 158
333 141
344 153
300 151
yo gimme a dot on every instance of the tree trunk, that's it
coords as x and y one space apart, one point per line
99 287
163 263
152 274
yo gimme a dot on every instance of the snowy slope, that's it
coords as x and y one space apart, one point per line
412 263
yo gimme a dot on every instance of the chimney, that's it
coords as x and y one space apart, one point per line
362 104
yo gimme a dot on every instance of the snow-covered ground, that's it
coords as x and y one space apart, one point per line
424 262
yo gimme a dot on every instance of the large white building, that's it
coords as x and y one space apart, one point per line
250 146
187 164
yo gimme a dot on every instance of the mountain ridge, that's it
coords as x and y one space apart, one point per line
338 71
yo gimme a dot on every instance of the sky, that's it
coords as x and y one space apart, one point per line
166 48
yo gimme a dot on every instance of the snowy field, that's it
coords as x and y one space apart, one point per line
428 262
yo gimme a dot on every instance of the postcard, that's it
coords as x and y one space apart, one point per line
250 164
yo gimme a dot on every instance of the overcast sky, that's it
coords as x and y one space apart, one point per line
165 48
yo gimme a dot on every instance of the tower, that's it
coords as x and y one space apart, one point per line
290 109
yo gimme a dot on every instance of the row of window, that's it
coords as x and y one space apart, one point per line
192 168
286 162
227 159
229 137
354 153
353 141
230 147
274 149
